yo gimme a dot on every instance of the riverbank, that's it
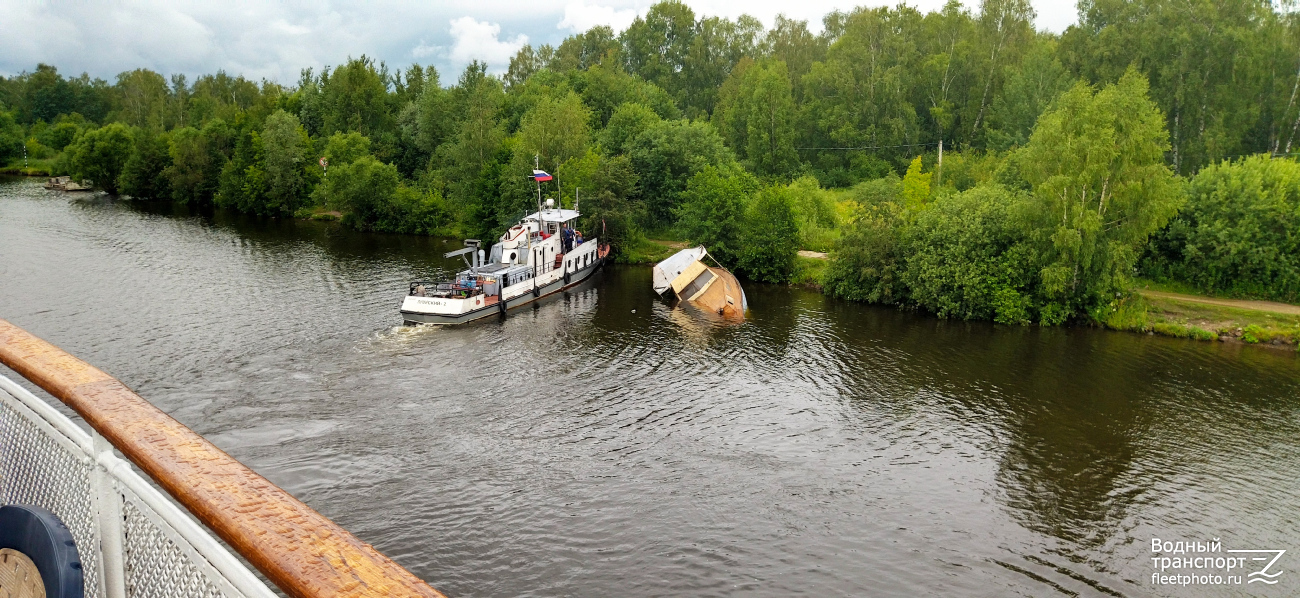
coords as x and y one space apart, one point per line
41 168
1155 309
1180 315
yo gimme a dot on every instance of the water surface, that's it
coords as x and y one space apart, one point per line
605 444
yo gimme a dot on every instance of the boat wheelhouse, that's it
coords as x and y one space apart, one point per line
533 259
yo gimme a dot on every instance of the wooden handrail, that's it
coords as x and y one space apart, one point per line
300 550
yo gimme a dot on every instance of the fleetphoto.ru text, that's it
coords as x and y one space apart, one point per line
1196 563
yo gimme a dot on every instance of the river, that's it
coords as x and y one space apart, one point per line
605 444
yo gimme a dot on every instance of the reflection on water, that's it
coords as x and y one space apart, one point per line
605 443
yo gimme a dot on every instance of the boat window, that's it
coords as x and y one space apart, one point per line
697 284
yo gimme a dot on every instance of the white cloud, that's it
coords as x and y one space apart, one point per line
478 40
425 50
579 17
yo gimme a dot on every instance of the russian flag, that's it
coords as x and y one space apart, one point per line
540 176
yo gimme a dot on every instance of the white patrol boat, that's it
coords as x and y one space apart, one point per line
530 261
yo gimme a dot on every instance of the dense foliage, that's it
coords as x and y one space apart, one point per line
1239 233
1055 235
958 161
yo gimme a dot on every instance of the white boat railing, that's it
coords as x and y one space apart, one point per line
159 538
132 540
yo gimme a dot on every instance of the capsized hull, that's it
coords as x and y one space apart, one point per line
710 288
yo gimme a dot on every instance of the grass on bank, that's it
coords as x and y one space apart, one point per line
809 271
648 251
1202 321
44 168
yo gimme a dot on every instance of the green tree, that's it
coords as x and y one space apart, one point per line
197 157
478 99
789 41
556 130
607 189
771 238
346 148
1215 68
142 95
1096 163
868 261
916 186
969 257
355 98
11 138
816 213
655 47
340 150
100 155
769 112
717 45
731 114
59 135
526 63
946 75
859 96
284 148
582 51
1238 234
712 212
143 174
1029 89
627 122
606 86
1003 29
665 157
362 189
47 95
243 184
435 118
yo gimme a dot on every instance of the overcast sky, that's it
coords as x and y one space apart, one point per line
275 40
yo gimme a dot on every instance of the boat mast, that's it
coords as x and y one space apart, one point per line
541 224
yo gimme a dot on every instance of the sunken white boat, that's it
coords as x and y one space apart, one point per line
711 288
527 264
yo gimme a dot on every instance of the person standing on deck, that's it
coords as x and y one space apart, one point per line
566 237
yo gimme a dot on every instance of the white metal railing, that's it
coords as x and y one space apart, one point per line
133 541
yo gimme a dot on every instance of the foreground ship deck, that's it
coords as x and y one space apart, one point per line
131 539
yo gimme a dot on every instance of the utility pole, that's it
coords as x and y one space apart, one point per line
325 173
939 174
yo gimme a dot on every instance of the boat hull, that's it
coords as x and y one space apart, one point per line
576 278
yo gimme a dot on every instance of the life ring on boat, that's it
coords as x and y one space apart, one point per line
40 536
